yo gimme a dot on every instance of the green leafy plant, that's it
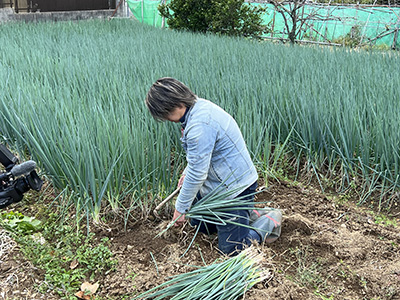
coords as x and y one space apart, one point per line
66 256
228 17
17 222
352 38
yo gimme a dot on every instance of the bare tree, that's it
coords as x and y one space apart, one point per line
292 16
295 18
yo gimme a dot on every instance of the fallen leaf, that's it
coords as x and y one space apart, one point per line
88 287
74 264
81 295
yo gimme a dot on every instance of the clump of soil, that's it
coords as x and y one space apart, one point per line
326 251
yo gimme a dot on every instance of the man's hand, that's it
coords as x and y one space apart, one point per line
180 218
180 182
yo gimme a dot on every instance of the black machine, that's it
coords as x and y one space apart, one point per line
17 178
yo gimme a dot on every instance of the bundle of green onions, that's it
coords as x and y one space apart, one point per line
225 280
218 207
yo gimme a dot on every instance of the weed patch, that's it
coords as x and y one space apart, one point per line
65 256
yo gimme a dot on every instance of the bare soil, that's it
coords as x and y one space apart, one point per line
326 251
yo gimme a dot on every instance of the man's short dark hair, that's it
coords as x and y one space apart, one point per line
165 95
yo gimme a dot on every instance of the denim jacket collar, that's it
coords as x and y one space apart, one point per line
185 117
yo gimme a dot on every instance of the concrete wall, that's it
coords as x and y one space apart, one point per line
7 14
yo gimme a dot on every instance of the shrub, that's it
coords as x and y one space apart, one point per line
229 17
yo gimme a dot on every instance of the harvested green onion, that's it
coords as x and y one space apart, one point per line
225 280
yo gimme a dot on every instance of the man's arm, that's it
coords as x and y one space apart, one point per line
200 145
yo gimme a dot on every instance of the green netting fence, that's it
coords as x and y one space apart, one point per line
370 24
145 11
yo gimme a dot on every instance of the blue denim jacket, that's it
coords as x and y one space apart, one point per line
215 152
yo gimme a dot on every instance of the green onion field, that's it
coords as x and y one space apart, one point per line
73 96
72 99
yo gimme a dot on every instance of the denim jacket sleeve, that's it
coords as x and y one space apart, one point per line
199 140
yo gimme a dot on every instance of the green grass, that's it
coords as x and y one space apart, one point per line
383 219
73 93
66 256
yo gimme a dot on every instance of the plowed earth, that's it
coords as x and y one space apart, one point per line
326 251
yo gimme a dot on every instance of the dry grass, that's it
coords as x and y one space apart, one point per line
7 244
